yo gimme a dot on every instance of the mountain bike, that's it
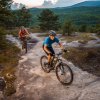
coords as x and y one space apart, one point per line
24 43
63 72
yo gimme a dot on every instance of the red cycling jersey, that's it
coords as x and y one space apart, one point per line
22 33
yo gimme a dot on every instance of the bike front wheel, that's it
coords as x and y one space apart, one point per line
64 74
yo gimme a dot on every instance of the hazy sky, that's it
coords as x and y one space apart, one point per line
31 3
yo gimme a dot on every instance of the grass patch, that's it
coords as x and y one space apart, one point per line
82 38
43 35
87 59
99 36
35 30
98 42
14 32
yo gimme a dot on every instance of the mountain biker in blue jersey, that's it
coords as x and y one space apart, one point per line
47 44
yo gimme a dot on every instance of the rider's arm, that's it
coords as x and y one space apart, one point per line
19 34
60 44
26 31
46 49
57 40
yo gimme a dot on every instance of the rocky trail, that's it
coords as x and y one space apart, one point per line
34 84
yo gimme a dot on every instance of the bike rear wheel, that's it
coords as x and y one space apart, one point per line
44 64
64 74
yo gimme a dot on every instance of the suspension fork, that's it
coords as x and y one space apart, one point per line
61 67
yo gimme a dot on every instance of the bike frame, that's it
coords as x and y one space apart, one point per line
57 62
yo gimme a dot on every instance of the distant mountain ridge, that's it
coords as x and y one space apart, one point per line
87 12
49 4
88 4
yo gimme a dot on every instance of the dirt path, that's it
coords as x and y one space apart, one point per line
34 84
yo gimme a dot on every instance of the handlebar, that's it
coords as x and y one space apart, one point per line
25 36
60 53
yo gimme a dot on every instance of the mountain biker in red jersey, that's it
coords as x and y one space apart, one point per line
23 34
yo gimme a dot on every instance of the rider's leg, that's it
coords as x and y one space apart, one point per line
23 42
25 45
22 45
49 58
49 55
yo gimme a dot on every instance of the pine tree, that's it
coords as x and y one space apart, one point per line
5 13
68 28
48 20
83 28
23 17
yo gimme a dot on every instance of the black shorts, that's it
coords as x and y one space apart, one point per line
50 49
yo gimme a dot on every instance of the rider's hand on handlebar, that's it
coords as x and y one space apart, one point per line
27 35
64 50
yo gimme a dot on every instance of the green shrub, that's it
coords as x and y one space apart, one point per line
87 59
9 60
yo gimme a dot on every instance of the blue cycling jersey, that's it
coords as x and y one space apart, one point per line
49 42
